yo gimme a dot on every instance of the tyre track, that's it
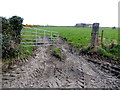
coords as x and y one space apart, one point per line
46 71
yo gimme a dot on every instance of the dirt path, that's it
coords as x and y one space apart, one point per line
45 71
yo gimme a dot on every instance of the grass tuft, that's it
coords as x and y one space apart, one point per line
57 53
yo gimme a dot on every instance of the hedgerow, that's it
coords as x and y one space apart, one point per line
11 29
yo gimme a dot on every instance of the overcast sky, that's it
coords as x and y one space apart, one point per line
62 12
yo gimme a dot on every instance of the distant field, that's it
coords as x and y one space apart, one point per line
82 36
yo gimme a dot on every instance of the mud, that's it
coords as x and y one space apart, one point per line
45 71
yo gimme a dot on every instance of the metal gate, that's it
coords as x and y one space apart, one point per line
38 37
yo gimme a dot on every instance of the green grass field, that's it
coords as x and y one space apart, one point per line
82 36
79 37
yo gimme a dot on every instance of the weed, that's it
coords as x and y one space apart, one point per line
57 53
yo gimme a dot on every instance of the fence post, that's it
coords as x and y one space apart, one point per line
51 37
1 51
44 37
102 34
36 38
94 35
57 38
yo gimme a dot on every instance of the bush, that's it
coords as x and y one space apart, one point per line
5 25
11 31
8 50
16 26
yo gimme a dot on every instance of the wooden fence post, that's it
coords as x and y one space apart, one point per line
102 37
94 35
51 38
44 39
36 38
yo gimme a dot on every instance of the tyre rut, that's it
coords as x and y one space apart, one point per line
45 71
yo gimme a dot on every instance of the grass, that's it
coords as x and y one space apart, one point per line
72 34
26 51
56 52
76 36
79 37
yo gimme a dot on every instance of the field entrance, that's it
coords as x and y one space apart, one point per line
38 37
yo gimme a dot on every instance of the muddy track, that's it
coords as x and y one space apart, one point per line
45 71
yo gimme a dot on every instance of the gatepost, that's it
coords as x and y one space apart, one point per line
0 53
94 35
